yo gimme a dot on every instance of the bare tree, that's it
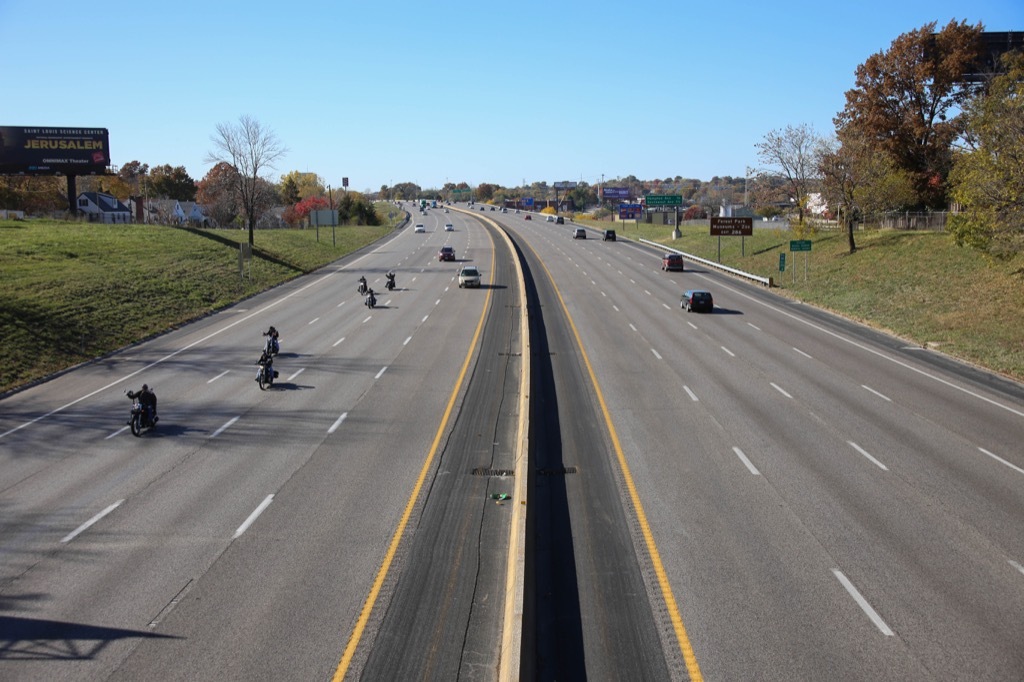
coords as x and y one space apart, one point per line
251 150
791 152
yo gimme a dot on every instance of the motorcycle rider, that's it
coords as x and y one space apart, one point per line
371 299
362 284
147 398
391 280
272 333
267 360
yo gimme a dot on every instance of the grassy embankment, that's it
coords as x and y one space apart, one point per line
917 285
70 292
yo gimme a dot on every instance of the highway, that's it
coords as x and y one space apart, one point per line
260 534
766 492
826 502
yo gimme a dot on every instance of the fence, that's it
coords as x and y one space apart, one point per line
907 220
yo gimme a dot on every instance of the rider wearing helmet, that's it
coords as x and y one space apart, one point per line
147 398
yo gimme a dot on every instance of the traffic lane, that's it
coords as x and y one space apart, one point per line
692 359
593 614
444 617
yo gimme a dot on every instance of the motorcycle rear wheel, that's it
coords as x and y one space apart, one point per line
261 379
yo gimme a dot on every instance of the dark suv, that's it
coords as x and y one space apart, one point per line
559 220
700 301
609 235
672 261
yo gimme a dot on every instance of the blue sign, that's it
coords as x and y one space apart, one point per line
527 201
615 192
630 211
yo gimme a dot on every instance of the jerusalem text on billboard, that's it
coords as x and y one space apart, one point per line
52 150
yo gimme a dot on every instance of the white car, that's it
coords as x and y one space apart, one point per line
550 219
448 227
469 276
419 228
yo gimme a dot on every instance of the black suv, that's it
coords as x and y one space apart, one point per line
700 301
559 220
609 235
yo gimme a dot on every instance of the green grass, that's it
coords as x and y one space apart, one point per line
70 292
917 285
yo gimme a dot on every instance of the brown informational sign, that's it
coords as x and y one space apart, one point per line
732 227
45 150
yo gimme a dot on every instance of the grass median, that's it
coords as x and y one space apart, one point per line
71 292
917 285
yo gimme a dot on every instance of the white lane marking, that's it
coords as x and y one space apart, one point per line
218 376
1017 566
381 372
691 324
604 294
877 353
437 301
867 454
413 279
883 397
666 306
73 534
693 396
424 319
115 433
780 389
337 422
337 342
656 354
593 282
632 281
313 321
368 318
754 326
387 303
632 327
647 292
863 603
340 304
731 354
615 308
226 425
296 374
743 458
252 517
1000 459
406 342
802 353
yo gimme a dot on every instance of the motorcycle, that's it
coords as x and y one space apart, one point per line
140 419
390 284
370 300
272 346
362 287
265 375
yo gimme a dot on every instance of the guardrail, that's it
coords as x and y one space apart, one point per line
765 281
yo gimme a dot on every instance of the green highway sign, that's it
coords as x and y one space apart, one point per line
782 262
664 199
800 245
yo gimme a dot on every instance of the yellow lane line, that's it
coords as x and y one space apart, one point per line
382 572
659 568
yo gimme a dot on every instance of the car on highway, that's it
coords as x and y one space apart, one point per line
697 300
579 233
469 276
528 217
448 227
419 228
672 261
609 236
446 253
492 208
559 220
482 208
549 219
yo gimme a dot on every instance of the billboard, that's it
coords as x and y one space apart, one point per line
732 227
630 211
53 151
615 192
565 185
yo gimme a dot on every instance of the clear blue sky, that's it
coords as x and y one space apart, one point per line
387 92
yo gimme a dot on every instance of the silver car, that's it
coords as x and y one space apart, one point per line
469 276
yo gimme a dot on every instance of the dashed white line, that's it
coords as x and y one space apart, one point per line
863 603
301 370
1017 566
693 396
747 462
337 342
73 534
604 294
424 319
666 306
337 422
252 517
368 318
313 321
381 372
226 425
731 354
806 355
754 326
340 304
1000 459
867 454
116 433
883 397
615 308
437 301
218 376
632 327
647 292
691 324
780 389
406 342
656 354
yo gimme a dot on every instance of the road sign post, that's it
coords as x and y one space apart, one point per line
782 262
801 245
